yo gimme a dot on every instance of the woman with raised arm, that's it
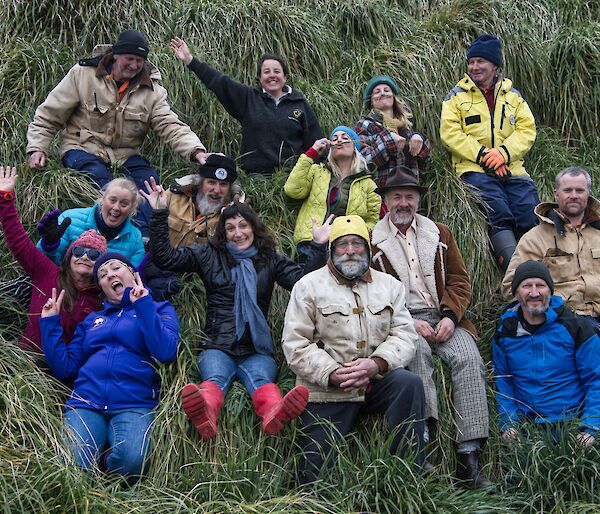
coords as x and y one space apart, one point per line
278 123
386 131
239 267
112 358
342 186
74 274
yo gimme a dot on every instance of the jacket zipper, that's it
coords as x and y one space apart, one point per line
493 113
502 118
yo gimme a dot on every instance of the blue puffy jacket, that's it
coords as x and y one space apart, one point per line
550 375
128 241
113 353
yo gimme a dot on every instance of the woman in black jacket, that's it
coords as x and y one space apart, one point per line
278 123
239 267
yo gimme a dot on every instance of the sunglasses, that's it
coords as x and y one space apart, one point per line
92 253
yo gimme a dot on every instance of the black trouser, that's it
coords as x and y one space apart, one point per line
399 396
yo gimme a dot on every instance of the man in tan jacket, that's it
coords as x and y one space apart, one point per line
567 240
104 107
347 336
423 255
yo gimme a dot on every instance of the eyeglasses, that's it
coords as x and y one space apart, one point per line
355 243
92 253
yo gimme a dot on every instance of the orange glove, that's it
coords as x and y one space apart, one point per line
493 159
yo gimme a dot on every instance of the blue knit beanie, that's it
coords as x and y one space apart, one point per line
374 82
353 135
487 46
109 256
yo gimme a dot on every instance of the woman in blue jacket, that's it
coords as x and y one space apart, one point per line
111 357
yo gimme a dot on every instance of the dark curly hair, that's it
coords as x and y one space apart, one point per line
272 57
263 239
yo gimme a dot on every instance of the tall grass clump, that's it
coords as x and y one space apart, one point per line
551 51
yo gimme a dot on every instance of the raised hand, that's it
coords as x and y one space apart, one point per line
8 178
53 304
49 229
138 290
321 234
181 50
154 194
320 145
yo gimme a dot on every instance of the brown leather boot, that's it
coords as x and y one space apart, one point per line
202 405
274 410
468 471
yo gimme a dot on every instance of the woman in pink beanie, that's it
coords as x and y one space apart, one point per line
73 275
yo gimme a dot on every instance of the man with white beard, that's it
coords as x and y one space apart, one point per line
347 336
195 206
423 255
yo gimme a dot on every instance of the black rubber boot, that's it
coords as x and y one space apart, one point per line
503 245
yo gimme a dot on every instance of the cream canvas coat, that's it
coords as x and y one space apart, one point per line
328 323
85 107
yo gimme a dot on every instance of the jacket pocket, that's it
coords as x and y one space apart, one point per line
561 266
135 126
334 318
98 117
380 322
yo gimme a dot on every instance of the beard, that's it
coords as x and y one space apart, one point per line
205 207
536 311
402 217
351 267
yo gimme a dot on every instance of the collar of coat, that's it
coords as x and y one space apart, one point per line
428 239
547 212
342 280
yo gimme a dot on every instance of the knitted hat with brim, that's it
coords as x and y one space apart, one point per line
89 239
532 269
131 42
374 82
353 135
349 225
488 47
111 256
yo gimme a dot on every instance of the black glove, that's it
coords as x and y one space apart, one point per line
50 231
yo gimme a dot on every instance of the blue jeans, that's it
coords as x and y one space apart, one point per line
253 371
507 204
124 432
136 167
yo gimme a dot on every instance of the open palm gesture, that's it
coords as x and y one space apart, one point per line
154 194
8 178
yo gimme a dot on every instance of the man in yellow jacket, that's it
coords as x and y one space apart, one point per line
488 127
104 107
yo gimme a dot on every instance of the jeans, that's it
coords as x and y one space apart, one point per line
253 371
507 204
136 167
125 433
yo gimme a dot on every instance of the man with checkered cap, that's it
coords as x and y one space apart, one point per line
348 337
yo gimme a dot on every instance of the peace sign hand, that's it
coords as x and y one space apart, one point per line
53 304
138 290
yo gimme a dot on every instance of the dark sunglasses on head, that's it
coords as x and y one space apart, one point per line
92 253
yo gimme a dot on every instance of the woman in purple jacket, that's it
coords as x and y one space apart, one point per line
112 357
74 275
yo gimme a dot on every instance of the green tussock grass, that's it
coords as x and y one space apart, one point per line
333 48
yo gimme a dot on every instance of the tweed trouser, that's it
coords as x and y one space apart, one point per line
460 353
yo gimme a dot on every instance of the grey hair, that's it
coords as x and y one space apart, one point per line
125 183
574 171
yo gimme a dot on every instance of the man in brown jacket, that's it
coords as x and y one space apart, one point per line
347 335
423 255
104 107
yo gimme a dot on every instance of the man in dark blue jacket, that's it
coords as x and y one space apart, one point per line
546 359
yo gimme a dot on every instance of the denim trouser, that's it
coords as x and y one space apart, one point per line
136 167
253 371
124 432
507 204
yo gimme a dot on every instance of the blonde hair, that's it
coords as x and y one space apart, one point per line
124 183
403 113
358 164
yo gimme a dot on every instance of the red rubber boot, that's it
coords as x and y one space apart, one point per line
274 410
202 405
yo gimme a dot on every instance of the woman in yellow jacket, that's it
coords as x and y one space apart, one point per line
341 187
